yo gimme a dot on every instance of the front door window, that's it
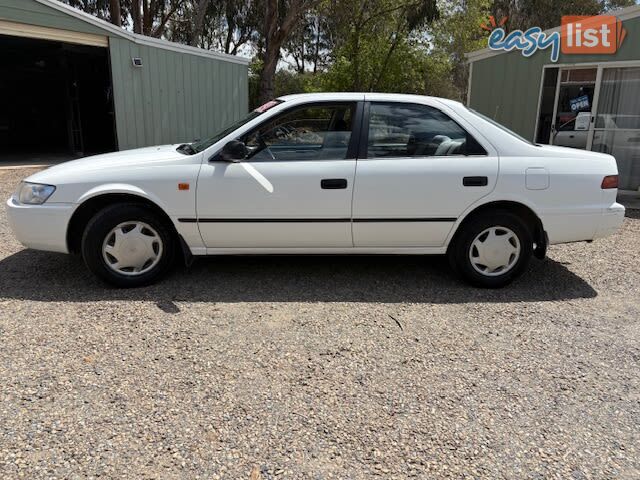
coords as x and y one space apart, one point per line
318 132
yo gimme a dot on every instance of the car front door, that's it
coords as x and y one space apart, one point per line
294 189
420 170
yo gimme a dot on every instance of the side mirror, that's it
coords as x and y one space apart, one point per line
234 151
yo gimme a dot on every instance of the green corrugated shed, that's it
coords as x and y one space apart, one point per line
180 93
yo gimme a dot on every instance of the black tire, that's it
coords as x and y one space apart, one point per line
109 218
459 251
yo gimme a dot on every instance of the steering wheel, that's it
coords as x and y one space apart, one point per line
262 145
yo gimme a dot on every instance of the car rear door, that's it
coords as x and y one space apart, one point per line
295 188
420 167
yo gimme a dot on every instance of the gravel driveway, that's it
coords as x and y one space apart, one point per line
317 368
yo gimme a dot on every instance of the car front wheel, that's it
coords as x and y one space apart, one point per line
127 245
492 249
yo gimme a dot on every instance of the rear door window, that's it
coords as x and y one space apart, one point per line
413 130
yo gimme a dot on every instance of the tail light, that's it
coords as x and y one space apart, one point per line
610 181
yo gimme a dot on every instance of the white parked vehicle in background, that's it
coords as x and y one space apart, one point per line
335 173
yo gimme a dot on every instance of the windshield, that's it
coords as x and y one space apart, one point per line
501 127
201 145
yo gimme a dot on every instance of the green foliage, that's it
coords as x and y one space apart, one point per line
458 32
548 13
403 70
286 82
376 44
382 46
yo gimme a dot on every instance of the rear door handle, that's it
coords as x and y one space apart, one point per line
475 181
333 183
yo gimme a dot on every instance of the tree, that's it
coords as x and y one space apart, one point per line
458 32
615 4
146 17
548 13
224 25
109 10
233 24
376 42
136 16
198 24
280 18
307 48
115 12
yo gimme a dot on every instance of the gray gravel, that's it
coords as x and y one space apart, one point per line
321 368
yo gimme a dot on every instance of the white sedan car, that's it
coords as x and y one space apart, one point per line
339 173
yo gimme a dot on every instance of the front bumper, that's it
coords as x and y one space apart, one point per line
610 221
42 227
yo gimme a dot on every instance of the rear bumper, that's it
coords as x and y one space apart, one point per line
610 221
42 227
578 227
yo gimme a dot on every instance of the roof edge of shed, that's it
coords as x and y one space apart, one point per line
141 39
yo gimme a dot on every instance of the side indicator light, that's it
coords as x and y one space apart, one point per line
610 181
183 186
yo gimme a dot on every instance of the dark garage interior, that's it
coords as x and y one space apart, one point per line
57 100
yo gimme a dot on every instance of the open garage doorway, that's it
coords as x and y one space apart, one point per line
57 101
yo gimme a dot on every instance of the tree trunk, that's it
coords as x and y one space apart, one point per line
115 13
136 16
271 51
147 18
196 32
316 53
267 76
274 37
356 47
302 52
373 86
227 41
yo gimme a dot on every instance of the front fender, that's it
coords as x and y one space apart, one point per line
122 188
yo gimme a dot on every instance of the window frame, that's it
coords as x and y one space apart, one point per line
363 151
356 127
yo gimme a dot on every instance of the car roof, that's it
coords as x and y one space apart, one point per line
374 96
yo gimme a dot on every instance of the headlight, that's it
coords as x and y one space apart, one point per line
34 193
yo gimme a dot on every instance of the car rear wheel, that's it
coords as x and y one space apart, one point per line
127 245
492 249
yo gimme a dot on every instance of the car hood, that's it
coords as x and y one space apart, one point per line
140 157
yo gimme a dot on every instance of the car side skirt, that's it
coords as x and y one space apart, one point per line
322 251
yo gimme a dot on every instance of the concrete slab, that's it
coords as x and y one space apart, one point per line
629 198
9 161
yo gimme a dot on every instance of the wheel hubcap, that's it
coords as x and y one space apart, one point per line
494 251
132 248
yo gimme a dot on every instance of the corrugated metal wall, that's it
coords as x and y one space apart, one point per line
173 97
34 13
506 87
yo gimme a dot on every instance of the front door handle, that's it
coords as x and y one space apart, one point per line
475 181
333 183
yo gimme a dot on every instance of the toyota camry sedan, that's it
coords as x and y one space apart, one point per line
334 173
